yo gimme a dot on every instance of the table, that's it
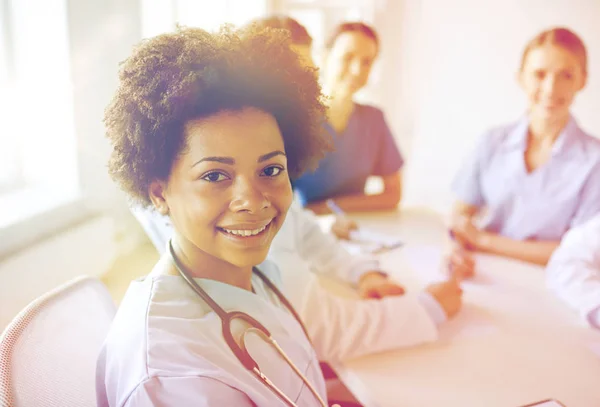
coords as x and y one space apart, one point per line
513 343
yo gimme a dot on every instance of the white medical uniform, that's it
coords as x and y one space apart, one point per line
339 328
573 271
165 348
344 328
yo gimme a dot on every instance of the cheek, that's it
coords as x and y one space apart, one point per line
203 206
282 194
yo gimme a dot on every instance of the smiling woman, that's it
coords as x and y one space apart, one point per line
208 128
538 177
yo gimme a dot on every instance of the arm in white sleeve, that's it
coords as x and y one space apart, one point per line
186 391
573 271
343 328
324 253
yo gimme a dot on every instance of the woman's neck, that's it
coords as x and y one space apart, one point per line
339 110
200 264
544 130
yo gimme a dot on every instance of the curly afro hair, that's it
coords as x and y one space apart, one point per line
190 74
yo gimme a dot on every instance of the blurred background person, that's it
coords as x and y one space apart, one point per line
573 272
363 142
532 180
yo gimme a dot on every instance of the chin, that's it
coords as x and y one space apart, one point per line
244 260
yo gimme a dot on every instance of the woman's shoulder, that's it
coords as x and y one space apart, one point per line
498 138
368 111
590 143
271 271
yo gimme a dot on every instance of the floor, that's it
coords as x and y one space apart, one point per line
128 267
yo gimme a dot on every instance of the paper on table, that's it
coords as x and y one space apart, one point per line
472 320
371 236
425 261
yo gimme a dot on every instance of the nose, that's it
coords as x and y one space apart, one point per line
550 85
247 196
355 67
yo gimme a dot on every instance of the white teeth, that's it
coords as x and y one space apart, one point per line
246 232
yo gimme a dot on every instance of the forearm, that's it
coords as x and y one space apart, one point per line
344 328
537 252
387 200
461 209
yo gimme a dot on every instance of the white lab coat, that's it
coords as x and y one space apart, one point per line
339 328
165 348
573 271
342 328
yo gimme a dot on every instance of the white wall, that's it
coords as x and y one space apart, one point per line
454 76
102 33
88 248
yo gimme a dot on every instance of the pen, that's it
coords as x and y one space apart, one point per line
333 207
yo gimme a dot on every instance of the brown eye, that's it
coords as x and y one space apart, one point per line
567 75
214 176
540 74
272 171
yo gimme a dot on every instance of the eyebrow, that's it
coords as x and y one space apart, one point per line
231 161
270 155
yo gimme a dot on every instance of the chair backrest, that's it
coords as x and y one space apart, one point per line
48 352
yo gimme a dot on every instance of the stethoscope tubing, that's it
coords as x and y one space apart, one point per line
255 326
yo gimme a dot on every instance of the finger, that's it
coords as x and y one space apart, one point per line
369 294
390 290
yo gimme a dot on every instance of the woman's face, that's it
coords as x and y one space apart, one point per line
229 191
551 76
348 63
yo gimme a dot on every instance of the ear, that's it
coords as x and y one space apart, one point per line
157 193
584 79
519 77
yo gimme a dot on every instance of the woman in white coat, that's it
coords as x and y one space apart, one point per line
205 128
573 272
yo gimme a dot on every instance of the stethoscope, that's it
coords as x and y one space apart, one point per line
240 351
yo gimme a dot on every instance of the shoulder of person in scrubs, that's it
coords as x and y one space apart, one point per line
367 148
573 272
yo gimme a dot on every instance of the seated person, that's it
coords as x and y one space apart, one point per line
534 179
573 272
200 128
363 143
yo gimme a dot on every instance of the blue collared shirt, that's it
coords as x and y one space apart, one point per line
542 204
365 148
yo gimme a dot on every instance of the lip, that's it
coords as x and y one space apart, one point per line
247 225
249 242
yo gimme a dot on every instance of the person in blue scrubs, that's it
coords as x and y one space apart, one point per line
363 143
529 182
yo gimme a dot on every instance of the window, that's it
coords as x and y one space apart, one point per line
162 16
38 149
320 17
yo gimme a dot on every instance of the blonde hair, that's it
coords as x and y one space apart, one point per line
562 37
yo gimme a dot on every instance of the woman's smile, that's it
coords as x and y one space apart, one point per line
249 235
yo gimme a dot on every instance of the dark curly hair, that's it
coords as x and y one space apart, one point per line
191 73
298 33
